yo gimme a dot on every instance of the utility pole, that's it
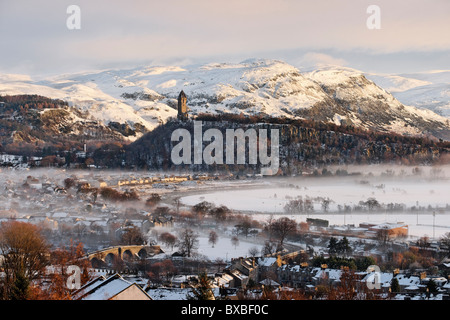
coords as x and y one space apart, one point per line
434 218
417 207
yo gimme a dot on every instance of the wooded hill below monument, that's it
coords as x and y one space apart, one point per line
304 144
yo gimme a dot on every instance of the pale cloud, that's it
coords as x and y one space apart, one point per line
35 37
317 59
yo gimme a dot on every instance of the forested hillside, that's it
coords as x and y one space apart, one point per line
303 144
33 125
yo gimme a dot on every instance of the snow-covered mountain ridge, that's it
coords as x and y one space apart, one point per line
424 90
146 96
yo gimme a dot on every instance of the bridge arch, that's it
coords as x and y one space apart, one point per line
97 263
127 255
127 252
110 258
142 253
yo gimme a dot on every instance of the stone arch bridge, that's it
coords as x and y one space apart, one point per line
126 252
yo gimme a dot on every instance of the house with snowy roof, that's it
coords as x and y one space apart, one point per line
446 287
294 275
245 267
268 265
393 230
269 282
239 279
408 282
112 288
383 279
223 280
321 275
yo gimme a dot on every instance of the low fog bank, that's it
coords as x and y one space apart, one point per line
382 170
340 194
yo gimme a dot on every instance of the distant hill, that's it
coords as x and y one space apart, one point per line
144 97
37 125
32 125
424 90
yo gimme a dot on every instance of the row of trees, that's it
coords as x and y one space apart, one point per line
115 195
339 247
203 208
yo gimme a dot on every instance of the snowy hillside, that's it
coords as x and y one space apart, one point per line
426 90
146 96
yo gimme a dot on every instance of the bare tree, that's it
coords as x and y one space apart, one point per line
188 241
202 208
132 236
168 239
213 237
283 227
244 226
326 204
219 213
269 222
253 251
372 204
269 248
383 236
235 241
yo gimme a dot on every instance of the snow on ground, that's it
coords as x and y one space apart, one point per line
273 199
262 201
146 95
223 249
426 90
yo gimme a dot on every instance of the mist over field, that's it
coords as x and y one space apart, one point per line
115 119
408 194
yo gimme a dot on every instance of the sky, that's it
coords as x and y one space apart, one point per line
411 35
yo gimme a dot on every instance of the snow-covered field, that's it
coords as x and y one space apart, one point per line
273 199
410 192
223 249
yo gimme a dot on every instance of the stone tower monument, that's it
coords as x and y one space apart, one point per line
182 107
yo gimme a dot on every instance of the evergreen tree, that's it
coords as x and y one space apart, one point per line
333 246
395 286
343 246
202 290
364 262
20 288
431 287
